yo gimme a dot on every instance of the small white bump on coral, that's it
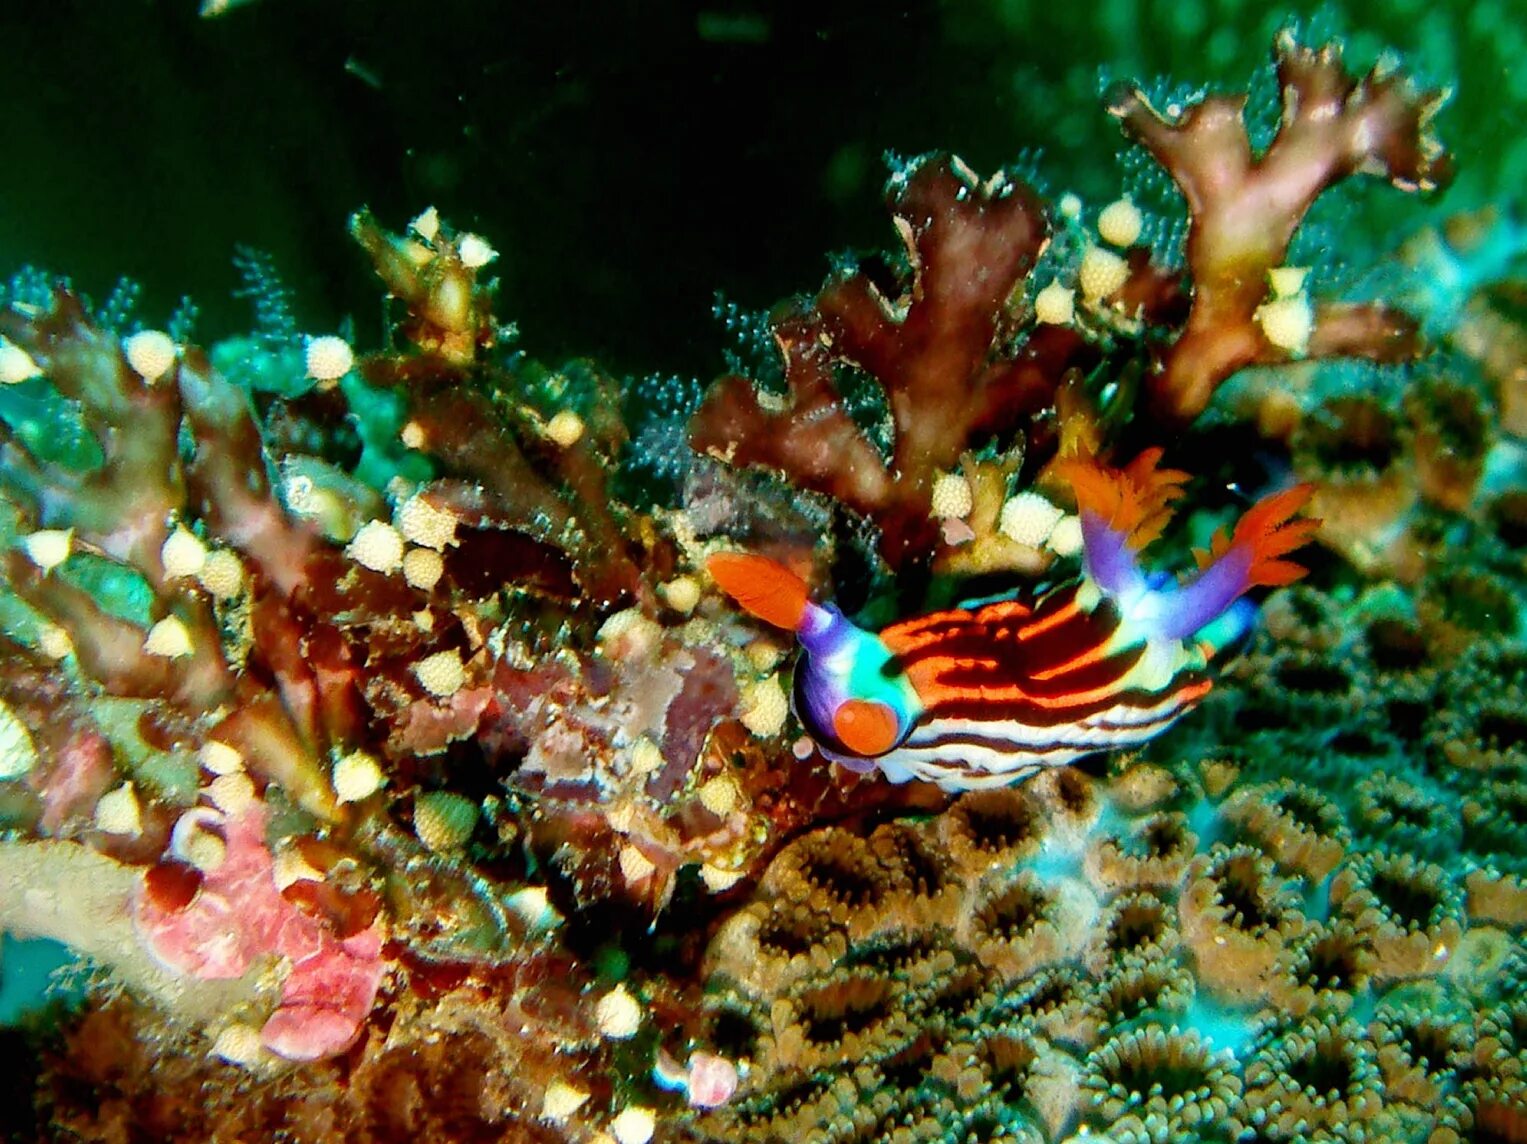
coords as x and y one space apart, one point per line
1288 323
1028 518
682 593
718 878
765 707
443 821
646 756
357 776
618 1014
423 524
222 574
561 1101
533 907
426 224
377 546
634 865
48 547
951 498
1055 305
240 1044
441 674
328 358
720 795
1287 281
1102 273
634 1125
474 251
53 641
168 638
1120 223
18 754
1070 205
151 353
1065 538
629 635
422 568
16 365
565 428
194 839
220 758
413 435
290 865
117 812
232 794
182 554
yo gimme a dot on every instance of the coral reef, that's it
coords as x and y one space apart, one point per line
374 724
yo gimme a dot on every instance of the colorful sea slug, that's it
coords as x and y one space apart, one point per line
987 693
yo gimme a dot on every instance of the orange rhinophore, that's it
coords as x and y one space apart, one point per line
768 590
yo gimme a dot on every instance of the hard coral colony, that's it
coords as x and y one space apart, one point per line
405 773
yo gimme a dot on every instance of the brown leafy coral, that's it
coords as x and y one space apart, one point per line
959 358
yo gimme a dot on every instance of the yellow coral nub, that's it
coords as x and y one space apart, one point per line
1287 281
474 251
422 568
423 524
117 812
194 839
1288 323
565 428
533 907
220 758
618 1014
720 795
151 353
634 1125
1028 518
182 554
328 358
1102 273
356 776
53 641
629 635
1120 223
377 546
444 821
682 594
413 435
222 574
232 794
646 756
16 365
1055 305
49 547
951 498
441 674
635 866
426 224
1065 538
561 1102
240 1044
168 638
718 878
765 707
18 754
291 865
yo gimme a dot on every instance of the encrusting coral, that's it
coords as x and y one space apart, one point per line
407 773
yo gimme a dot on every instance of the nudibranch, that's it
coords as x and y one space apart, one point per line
987 693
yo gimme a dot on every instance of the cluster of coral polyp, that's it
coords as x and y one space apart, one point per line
402 765
1160 956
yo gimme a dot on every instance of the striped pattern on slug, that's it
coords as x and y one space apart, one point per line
986 694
